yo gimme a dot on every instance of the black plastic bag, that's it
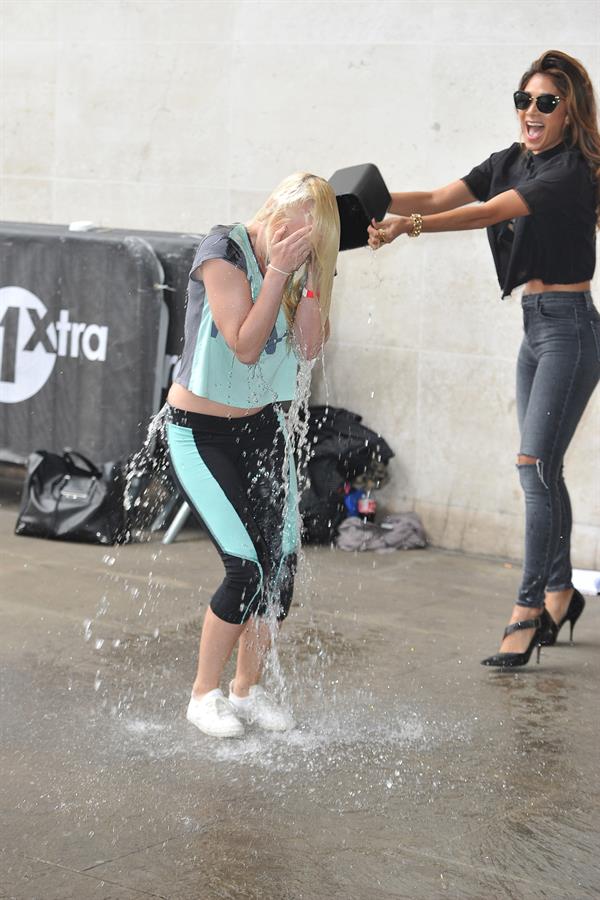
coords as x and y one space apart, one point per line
339 436
68 497
322 503
341 450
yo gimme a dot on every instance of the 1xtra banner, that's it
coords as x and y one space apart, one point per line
30 342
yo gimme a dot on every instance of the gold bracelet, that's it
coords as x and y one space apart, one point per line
417 224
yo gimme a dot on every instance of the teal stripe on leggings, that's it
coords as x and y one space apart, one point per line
208 496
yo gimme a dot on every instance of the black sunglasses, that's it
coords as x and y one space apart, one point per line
546 103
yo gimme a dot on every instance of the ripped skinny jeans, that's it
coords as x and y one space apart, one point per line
557 370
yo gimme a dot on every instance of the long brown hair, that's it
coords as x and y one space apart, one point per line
573 83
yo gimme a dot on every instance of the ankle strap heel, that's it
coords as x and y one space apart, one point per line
540 625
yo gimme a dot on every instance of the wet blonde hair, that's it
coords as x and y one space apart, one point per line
295 191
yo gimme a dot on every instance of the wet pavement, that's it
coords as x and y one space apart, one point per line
413 773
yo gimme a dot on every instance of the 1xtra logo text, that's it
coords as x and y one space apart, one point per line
30 343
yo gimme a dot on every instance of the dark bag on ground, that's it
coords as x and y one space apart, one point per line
342 449
68 497
150 496
321 502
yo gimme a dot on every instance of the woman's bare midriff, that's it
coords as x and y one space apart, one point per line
535 286
181 398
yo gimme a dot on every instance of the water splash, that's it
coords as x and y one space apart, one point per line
297 453
345 751
149 496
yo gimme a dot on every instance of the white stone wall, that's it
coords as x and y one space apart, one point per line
173 115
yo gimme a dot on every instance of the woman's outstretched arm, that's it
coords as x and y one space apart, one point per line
427 202
503 207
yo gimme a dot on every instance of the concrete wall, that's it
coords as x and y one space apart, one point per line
174 115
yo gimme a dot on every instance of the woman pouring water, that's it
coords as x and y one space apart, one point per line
258 301
539 203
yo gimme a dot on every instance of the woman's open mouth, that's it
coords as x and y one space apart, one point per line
534 131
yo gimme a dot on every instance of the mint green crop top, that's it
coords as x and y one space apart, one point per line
209 368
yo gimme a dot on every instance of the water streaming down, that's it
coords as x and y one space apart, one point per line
293 427
148 466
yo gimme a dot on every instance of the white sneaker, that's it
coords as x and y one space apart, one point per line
213 715
259 708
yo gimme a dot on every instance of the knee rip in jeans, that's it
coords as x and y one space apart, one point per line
524 460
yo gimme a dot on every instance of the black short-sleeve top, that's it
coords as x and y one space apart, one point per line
557 242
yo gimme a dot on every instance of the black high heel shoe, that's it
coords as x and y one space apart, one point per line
541 625
574 610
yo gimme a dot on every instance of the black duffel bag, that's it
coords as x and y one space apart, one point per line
69 498
341 449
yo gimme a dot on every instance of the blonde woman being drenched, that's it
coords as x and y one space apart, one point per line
258 299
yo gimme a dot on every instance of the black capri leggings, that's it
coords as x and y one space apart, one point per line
241 483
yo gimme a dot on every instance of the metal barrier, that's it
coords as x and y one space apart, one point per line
91 325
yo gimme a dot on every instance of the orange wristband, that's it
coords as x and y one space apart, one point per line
310 294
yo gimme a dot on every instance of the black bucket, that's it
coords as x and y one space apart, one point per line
362 195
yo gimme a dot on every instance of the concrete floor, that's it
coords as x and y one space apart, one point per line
414 773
